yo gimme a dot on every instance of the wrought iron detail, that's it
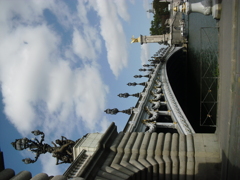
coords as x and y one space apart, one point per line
209 77
62 149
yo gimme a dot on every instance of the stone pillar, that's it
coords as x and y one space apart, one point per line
151 154
154 39
135 153
26 175
182 157
158 155
174 156
143 155
41 176
59 177
166 156
127 154
78 178
6 174
190 158
118 157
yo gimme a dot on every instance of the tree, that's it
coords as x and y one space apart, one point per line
161 14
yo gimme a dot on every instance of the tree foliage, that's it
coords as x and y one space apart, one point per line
161 14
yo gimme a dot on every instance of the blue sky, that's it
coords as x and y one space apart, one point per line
62 63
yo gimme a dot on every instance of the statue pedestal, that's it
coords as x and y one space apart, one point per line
206 7
90 143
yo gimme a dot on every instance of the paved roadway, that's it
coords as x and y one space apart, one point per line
228 120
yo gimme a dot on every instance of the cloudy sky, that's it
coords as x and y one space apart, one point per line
62 63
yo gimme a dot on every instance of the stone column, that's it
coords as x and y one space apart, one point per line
26 175
154 38
7 174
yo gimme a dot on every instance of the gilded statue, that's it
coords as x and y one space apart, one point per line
135 40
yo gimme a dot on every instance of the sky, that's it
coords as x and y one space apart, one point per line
62 63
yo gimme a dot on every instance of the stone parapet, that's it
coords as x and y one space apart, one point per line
144 156
165 156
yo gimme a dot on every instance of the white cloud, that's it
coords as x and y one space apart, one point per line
104 124
50 167
40 86
122 9
112 32
146 7
144 53
85 45
23 71
34 72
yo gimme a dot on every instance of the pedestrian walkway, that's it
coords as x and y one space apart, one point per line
228 120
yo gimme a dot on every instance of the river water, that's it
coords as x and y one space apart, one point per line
202 71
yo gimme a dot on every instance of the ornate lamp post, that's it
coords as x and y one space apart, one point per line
141 69
115 111
140 76
125 95
134 84
62 149
147 65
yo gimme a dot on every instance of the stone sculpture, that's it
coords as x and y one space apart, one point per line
62 149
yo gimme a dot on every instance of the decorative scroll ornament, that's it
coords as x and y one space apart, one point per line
159 83
157 96
154 114
156 104
62 149
151 126
158 90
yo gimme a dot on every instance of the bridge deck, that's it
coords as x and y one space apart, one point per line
228 122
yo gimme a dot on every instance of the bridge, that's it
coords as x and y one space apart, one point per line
136 154
158 142
158 101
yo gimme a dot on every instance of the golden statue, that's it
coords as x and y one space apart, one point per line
135 40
